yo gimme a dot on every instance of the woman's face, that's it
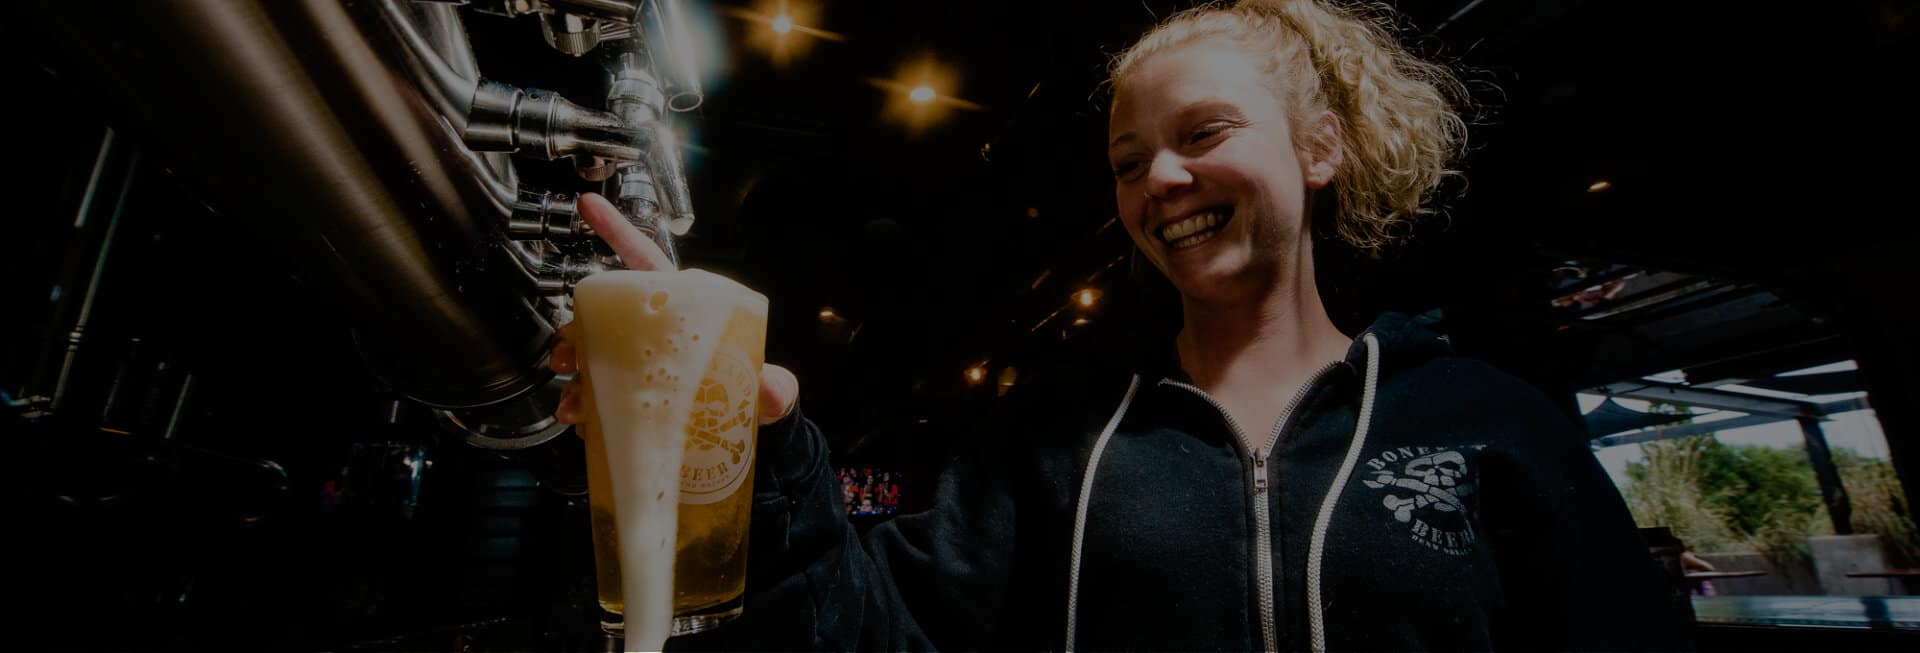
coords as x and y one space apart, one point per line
1207 180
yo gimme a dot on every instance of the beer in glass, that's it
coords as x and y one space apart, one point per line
671 378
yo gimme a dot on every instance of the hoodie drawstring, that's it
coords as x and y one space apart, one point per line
1316 620
1316 612
1086 498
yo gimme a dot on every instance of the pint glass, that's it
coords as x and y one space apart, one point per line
671 381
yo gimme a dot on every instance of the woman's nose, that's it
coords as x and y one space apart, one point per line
1167 175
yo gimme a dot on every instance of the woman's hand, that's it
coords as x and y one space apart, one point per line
778 387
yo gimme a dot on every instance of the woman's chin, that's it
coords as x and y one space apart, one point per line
1214 279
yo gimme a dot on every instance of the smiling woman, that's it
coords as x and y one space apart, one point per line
1260 480
1393 113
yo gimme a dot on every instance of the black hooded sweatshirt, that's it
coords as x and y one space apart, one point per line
1408 499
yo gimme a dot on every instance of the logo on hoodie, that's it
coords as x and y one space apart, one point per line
1425 488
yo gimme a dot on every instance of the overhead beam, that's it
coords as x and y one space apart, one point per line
1768 361
1675 393
1824 383
1684 430
1702 428
1631 358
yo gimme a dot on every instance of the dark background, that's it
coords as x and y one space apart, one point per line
1767 153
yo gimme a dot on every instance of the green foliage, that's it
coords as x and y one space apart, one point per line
1879 505
1755 487
1732 498
1663 489
1723 498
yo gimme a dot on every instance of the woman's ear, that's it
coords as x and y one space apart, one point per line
1326 152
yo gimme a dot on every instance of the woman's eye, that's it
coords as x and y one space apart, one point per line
1202 134
1125 169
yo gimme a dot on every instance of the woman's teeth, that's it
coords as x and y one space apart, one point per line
1192 231
1192 240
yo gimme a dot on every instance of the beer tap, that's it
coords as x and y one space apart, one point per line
652 191
630 146
649 184
542 216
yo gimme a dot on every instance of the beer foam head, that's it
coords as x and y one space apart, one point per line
699 283
646 326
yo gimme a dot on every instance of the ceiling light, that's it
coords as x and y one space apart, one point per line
776 26
921 94
976 374
826 313
1080 321
1600 185
1085 297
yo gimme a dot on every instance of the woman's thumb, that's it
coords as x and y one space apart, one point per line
779 391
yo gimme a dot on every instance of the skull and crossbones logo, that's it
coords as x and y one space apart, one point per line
1437 482
716 421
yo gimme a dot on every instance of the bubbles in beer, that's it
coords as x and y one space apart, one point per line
658 301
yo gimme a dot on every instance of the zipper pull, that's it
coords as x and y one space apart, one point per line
1259 473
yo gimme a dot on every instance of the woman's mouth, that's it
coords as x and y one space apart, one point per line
1195 229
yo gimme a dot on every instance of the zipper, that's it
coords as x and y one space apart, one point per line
1262 519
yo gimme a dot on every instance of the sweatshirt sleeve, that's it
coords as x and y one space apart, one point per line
1575 573
925 581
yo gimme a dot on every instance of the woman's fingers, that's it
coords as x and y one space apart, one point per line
779 390
637 251
634 247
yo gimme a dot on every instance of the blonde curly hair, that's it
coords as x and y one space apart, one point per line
1399 129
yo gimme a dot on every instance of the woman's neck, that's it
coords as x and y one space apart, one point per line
1277 337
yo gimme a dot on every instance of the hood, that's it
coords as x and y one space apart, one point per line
1404 344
